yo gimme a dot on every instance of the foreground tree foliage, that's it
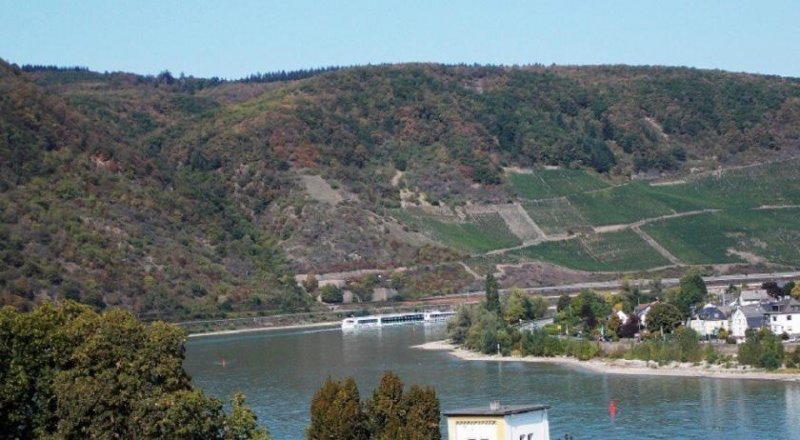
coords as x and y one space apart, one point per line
69 372
391 413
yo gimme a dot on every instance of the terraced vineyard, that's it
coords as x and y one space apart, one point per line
542 184
622 204
733 236
555 216
590 225
615 251
479 233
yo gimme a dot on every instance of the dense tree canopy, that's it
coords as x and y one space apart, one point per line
663 317
69 372
691 292
391 414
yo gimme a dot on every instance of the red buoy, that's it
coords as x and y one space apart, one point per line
612 408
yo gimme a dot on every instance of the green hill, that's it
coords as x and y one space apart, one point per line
188 198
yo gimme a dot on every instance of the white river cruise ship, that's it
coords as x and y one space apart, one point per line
397 319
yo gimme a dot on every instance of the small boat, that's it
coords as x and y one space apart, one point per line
397 319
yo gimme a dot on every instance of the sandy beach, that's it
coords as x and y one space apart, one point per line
265 329
621 366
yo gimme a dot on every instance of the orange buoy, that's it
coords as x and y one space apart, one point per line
612 408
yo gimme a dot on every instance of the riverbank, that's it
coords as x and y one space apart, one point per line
266 329
622 366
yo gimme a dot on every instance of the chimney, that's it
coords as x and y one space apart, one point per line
494 405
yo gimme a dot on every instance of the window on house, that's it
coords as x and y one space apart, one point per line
774 318
788 317
530 436
522 437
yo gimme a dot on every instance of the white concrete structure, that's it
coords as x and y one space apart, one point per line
783 317
496 422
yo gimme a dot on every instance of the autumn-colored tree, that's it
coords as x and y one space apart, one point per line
796 291
310 283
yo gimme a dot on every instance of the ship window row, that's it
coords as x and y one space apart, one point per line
367 321
404 318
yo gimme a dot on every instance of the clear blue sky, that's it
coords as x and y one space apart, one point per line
233 38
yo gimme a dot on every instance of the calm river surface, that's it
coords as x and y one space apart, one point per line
280 371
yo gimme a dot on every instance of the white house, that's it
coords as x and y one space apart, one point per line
783 317
496 422
710 320
745 318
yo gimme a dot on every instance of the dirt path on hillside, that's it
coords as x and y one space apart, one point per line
515 217
396 178
768 207
470 271
640 223
655 245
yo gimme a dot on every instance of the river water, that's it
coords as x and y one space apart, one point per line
279 371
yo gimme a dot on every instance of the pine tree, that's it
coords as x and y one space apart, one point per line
350 421
422 417
492 294
387 409
336 412
321 404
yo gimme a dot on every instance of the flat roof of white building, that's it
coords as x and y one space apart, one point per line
503 410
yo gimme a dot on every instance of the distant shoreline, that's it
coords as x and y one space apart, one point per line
620 366
265 329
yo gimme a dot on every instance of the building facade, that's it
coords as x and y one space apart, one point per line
496 422
783 317
744 318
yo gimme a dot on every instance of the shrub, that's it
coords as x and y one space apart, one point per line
793 360
540 343
331 294
683 346
762 349
581 349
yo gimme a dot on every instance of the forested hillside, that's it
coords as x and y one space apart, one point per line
186 197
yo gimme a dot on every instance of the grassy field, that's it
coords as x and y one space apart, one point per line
555 216
732 236
615 251
480 233
543 184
